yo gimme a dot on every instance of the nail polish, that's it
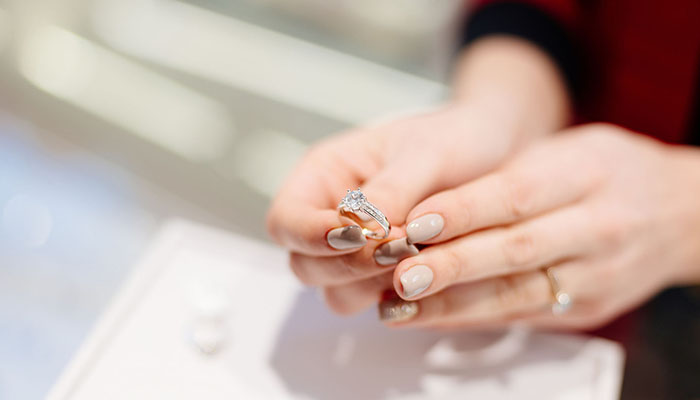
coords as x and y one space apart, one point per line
423 228
397 310
416 279
394 251
346 237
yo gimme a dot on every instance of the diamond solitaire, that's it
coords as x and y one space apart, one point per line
355 202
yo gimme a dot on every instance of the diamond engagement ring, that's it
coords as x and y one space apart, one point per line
354 203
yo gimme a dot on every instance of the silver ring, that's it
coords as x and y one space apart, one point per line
562 300
354 203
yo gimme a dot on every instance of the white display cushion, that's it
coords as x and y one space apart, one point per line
280 342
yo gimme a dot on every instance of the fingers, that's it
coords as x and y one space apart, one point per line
535 243
400 186
499 300
538 181
315 231
366 263
304 211
492 300
304 219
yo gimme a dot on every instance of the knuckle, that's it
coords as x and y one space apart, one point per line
611 231
601 128
348 267
463 204
608 276
520 248
512 293
518 196
596 132
602 136
453 264
443 305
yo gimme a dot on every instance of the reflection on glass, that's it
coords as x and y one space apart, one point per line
244 56
26 221
264 158
138 100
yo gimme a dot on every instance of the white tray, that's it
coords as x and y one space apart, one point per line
281 343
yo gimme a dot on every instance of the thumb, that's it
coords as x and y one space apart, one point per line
397 188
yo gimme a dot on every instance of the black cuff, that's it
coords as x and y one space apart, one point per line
530 23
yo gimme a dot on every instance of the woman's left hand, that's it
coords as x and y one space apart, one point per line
614 214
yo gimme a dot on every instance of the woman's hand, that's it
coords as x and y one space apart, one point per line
614 214
507 94
397 165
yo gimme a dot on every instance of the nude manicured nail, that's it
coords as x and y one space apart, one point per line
416 279
424 228
397 310
392 252
346 237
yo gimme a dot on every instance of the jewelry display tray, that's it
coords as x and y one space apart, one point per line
276 340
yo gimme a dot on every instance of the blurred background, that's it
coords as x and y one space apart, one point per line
117 114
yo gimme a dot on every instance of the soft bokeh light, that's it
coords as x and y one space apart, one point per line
157 109
263 159
26 221
232 52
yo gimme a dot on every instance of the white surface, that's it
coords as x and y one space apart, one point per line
282 343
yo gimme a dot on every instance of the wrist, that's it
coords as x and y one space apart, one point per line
685 161
501 120
515 82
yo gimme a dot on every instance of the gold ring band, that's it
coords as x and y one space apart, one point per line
562 300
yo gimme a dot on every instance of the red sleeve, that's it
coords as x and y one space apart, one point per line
549 24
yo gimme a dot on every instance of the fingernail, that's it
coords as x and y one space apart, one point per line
392 252
346 237
416 279
424 228
397 310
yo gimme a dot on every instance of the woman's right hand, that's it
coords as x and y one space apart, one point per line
397 165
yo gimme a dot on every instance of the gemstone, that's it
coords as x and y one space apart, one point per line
354 199
562 305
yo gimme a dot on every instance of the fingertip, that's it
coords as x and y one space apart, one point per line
413 282
393 251
317 233
349 237
425 227
395 311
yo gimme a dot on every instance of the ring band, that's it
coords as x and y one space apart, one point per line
562 300
355 202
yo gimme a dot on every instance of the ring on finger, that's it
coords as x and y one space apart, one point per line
354 203
562 301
